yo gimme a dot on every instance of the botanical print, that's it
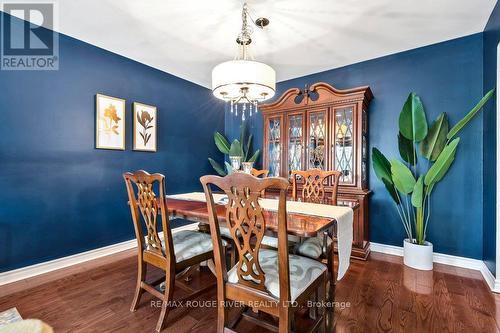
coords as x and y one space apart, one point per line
110 122
145 119
145 123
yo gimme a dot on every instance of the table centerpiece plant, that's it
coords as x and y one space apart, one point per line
409 184
238 151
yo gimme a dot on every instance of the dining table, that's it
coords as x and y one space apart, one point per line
192 206
301 225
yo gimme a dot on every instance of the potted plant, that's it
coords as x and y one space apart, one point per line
238 151
409 184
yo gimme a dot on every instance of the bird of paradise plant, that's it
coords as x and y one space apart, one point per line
410 189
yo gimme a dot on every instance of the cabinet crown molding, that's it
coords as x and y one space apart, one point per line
318 94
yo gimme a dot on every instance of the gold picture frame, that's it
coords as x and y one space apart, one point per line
110 119
145 129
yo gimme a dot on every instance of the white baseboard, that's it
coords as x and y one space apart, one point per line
49 266
447 259
52 265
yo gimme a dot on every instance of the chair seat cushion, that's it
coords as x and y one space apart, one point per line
191 243
303 272
312 247
272 241
224 232
178 222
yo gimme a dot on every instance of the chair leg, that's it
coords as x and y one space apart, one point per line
313 314
187 274
285 324
167 300
141 277
331 273
321 308
221 316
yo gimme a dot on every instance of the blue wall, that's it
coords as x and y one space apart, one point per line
59 195
491 37
448 77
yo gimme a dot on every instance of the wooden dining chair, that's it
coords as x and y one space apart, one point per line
177 255
266 280
313 187
259 173
313 190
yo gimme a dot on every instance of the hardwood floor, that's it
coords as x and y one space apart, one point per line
379 295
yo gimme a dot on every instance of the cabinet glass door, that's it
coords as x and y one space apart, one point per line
274 148
344 143
295 142
317 140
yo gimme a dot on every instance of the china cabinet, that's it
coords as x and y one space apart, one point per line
326 128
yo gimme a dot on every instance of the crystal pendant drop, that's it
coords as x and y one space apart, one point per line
232 106
243 116
236 110
256 107
250 109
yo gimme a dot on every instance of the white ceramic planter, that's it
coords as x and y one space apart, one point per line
418 256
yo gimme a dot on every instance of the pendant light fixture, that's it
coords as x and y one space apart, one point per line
244 82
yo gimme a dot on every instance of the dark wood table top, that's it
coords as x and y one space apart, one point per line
298 224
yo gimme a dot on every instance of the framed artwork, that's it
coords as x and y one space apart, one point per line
110 123
145 127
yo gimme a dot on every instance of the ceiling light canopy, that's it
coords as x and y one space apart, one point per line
243 81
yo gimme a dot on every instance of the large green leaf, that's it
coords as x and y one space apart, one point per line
435 140
412 121
418 193
243 136
221 143
254 156
235 149
407 150
392 191
440 167
229 168
402 177
468 117
381 165
217 167
247 149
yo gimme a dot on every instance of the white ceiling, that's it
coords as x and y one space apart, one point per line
187 38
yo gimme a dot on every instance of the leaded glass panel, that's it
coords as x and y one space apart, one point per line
344 157
274 136
295 138
317 140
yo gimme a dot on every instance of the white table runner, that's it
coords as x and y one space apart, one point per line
343 216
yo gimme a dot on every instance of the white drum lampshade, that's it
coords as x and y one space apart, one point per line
228 78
